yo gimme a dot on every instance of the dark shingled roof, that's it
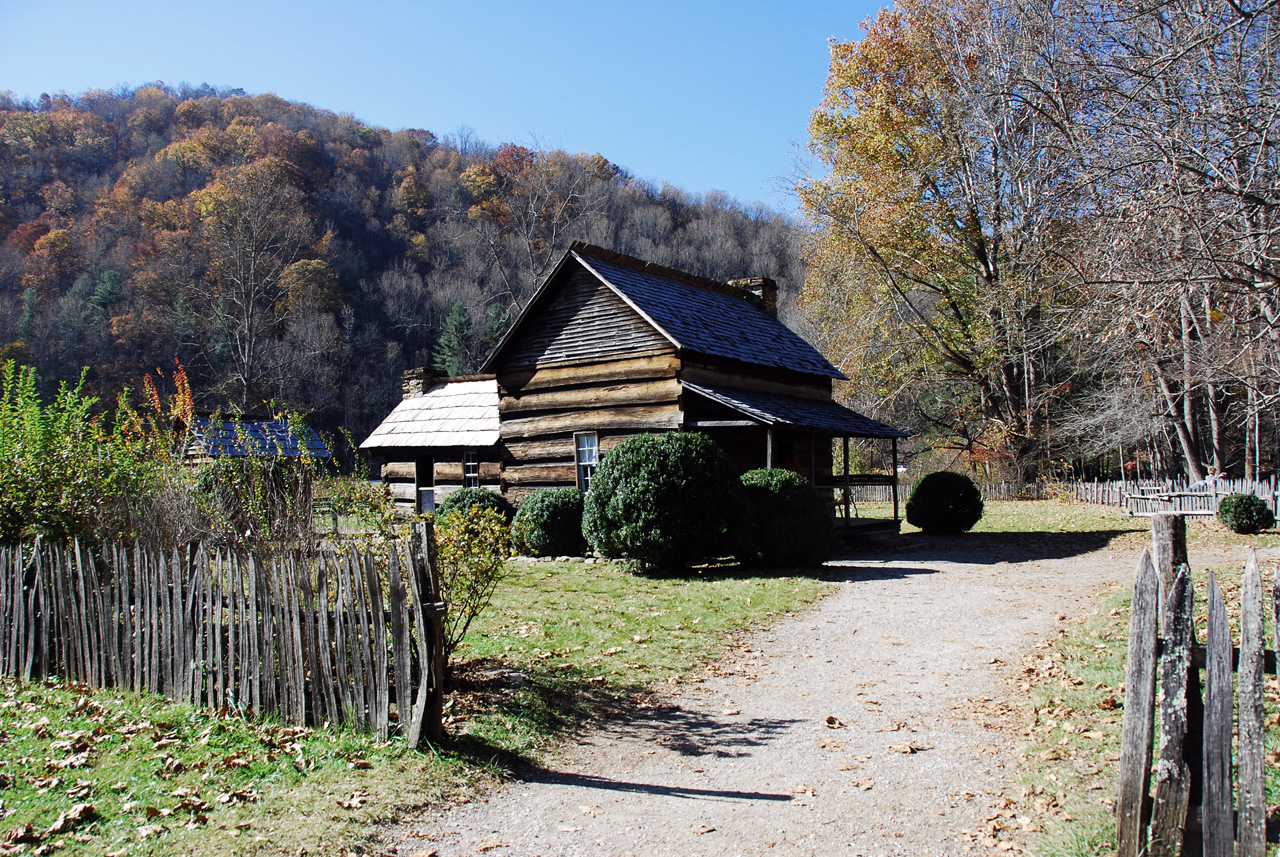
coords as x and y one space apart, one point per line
224 437
803 413
711 322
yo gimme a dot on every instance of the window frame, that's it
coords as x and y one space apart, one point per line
470 469
582 474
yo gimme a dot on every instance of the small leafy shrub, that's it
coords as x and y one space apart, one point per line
945 502
1245 514
663 500
549 523
472 546
464 498
789 525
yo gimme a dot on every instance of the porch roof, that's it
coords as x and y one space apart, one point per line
815 414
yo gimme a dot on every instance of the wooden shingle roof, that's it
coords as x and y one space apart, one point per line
715 322
449 413
694 314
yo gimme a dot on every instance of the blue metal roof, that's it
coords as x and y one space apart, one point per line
224 437
821 414
711 322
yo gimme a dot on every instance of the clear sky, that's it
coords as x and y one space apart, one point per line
704 95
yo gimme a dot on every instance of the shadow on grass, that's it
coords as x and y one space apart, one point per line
991 547
551 702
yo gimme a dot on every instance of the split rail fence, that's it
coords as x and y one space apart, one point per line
1194 809
338 637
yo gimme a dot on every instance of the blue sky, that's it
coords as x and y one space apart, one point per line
707 96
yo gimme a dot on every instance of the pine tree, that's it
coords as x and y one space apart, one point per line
453 349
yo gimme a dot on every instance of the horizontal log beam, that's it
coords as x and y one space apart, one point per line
610 395
653 418
560 474
405 470
630 369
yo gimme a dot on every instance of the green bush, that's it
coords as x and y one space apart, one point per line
663 500
472 546
549 523
465 498
944 502
789 525
1245 514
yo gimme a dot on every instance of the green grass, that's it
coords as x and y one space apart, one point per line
559 645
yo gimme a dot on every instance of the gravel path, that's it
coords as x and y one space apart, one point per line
847 729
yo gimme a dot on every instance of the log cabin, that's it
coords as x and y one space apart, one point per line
610 346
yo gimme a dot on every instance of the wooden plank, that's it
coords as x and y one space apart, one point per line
648 418
341 646
400 470
218 591
235 693
154 629
1251 804
299 664
630 394
1169 535
382 697
363 611
399 636
310 644
324 654
1173 774
359 699
536 474
490 471
12 614
636 368
1139 708
1216 813
420 555
182 628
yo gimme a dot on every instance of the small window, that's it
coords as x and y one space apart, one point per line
471 470
586 454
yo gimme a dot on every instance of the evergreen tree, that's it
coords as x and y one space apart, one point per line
453 350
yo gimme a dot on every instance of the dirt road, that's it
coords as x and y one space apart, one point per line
845 730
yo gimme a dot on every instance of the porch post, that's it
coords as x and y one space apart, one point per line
813 459
768 448
895 479
846 479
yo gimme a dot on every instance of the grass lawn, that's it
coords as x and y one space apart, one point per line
560 644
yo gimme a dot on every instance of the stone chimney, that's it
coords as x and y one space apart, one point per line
763 288
416 381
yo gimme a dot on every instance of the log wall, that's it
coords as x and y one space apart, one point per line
542 409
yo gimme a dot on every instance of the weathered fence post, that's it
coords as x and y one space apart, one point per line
1219 835
428 708
1251 804
1139 710
1169 535
1173 773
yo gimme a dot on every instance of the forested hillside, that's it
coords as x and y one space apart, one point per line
288 254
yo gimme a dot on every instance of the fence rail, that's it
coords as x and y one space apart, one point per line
1192 810
310 639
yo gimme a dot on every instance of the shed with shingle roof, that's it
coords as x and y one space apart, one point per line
443 435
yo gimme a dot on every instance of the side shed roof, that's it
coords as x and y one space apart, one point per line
450 413
222 437
818 414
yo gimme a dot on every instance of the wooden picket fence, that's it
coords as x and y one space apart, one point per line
1192 810
341 636
1149 497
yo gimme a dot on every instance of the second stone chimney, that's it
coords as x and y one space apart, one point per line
763 288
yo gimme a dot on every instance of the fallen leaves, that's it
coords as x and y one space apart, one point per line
910 747
356 801
834 722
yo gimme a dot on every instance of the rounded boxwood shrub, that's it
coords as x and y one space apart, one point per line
789 524
1245 514
663 500
465 498
944 502
549 523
